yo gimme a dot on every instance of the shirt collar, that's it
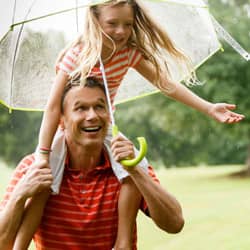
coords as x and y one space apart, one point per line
104 165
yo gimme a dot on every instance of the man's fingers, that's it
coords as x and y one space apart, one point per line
40 164
119 142
122 150
44 185
45 177
38 177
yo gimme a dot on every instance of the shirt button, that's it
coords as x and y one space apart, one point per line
81 177
82 191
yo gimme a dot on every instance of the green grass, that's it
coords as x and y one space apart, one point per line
216 210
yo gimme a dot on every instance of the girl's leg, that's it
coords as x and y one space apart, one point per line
31 220
128 205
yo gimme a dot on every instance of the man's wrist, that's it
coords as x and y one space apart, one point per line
18 199
135 171
43 157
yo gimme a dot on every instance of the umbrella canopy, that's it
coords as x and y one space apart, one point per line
35 31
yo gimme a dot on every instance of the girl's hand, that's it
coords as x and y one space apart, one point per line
221 112
42 157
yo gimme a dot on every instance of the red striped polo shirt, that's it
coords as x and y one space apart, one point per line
83 216
115 69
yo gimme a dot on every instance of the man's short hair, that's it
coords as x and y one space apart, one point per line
91 82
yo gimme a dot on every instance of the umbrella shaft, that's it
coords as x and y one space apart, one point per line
107 92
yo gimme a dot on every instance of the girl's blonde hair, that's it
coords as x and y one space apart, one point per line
147 36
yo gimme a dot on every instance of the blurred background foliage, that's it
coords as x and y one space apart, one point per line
177 135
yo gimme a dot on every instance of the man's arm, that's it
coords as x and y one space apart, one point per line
37 178
10 219
163 208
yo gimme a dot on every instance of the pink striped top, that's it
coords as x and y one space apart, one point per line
84 214
115 69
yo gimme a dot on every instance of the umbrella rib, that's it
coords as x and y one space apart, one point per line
199 5
229 39
15 54
76 9
14 12
44 16
13 63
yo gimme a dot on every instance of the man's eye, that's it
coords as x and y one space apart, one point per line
80 108
100 107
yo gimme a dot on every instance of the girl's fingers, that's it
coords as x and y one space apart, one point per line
230 106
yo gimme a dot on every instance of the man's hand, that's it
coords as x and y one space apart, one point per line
122 148
37 178
42 157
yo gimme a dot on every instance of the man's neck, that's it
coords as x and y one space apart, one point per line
84 159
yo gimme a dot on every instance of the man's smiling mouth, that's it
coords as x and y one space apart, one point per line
91 129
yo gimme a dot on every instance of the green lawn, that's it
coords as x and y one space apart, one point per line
216 210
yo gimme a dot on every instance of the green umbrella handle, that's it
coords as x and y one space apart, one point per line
142 150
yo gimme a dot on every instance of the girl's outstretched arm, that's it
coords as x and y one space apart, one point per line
52 113
219 111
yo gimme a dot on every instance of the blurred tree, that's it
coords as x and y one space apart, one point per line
231 76
181 136
18 134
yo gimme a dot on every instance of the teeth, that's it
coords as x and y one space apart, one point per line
90 129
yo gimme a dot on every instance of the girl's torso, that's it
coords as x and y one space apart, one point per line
115 69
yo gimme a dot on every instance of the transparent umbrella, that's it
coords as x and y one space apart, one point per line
34 31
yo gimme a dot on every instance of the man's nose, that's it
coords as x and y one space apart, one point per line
91 113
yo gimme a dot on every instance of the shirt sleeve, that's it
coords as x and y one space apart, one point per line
17 175
134 57
144 206
69 62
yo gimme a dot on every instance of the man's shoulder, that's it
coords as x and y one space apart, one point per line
28 159
152 173
26 162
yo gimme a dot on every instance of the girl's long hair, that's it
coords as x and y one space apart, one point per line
147 36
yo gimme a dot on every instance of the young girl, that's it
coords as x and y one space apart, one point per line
122 35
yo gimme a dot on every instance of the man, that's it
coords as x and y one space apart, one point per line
84 214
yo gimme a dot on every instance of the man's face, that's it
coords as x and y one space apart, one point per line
86 117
